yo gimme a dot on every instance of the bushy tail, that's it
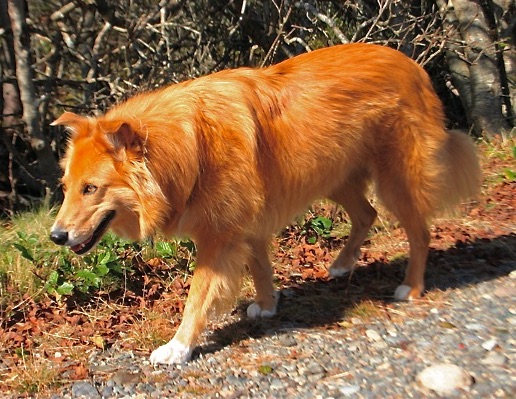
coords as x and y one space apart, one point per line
463 174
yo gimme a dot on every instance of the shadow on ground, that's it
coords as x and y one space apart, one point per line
324 302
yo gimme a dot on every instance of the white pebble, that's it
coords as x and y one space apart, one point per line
353 348
444 378
391 330
475 326
373 335
489 344
348 390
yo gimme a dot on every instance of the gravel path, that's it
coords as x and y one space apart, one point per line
471 327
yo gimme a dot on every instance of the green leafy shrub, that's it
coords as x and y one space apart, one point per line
64 272
317 227
31 264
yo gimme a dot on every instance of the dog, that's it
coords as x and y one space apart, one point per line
230 158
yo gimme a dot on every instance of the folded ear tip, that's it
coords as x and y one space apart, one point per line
67 119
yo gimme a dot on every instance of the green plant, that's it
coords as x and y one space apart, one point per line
317 227
510 174
60 271
181 252
265 369
31 264
166 249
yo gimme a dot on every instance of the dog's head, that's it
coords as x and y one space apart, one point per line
100 164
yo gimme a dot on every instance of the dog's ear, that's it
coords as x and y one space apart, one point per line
73 122
123 140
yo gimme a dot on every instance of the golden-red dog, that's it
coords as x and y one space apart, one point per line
230 158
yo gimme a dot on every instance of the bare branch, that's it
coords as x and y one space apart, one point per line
326 19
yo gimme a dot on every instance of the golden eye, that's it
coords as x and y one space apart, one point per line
89 189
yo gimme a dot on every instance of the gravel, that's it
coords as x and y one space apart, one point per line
468 333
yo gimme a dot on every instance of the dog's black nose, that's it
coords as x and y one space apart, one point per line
60 237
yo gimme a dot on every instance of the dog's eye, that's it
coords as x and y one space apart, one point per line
89 189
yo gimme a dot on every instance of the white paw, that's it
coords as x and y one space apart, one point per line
339 271
173 352
402 293
254 310
340 268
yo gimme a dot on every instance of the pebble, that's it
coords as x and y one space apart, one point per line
83 389
349 390
124 377
494 358
315 368
373 335
444 378
475 326
287 340
108 391
277 384
489 344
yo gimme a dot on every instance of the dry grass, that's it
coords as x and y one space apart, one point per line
31 375
150 329
366 310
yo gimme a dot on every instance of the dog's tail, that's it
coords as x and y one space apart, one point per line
462 173
428 173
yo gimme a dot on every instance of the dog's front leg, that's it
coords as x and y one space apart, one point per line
179 349
215 284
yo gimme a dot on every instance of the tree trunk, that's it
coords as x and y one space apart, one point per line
11 108
504 22
47 164
459 68
486 93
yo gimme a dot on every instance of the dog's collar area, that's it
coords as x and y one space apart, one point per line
85 246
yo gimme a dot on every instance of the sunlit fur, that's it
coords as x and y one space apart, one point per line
230 158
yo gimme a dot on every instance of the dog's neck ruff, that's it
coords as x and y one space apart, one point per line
152 203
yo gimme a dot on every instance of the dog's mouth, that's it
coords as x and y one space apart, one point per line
90 242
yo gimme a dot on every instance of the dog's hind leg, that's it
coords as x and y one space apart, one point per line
266 301
403 201
215 285
419 238
351 196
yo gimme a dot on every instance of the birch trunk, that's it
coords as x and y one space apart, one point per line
484 73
